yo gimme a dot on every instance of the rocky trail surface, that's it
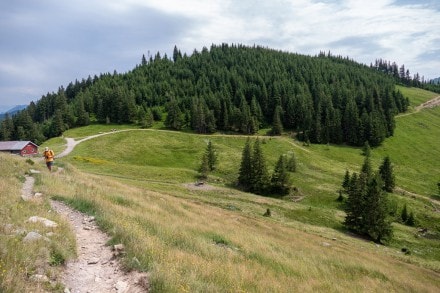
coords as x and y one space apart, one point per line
97 268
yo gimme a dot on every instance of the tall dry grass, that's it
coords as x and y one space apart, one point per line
188 245
20 261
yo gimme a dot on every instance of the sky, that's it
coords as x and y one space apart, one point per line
45 44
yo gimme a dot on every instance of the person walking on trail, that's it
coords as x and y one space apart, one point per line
49 156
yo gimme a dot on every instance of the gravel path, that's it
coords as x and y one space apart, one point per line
96 269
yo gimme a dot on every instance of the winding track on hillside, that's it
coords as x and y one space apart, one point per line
435 102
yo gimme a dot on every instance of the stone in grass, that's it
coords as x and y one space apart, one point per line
47 223
39 278
32 236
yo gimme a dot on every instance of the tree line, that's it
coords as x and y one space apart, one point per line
403 76
228 88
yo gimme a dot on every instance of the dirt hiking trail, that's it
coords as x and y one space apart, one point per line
96 269
435 102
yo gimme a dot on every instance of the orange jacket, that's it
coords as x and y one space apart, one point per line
49 155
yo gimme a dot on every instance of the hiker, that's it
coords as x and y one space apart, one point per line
49 156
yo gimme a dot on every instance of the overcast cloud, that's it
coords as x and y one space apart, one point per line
49 43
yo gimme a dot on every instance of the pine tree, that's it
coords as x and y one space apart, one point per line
386 172
7 128
144 60
245 173
366 150
280 177
204 167
211 156
260 177
291 162
355 204
404 214
411 221
366 168
149 119
57 126
175 117
277 125
346 182
376 220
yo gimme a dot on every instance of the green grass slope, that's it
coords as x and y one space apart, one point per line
214 238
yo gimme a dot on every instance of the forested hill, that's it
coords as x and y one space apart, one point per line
229 88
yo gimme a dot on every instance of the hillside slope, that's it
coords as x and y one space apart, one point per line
140 185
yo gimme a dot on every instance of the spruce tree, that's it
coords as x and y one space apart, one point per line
355 204
376 220
280 177
211 156
204 167
366 150
149 118
346 182
386 173
291 162
245 173
404 214
175 117
260 177
411 221
366 168
277 125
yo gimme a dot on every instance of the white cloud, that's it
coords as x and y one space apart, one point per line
54 42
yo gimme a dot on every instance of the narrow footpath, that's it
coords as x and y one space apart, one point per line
97 268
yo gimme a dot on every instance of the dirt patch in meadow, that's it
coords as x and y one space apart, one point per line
200 186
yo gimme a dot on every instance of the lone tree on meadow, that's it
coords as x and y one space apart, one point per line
204 167
211 155
209 160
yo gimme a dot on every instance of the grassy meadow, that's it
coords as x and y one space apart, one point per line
214 238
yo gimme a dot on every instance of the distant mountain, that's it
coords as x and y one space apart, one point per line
11 111
436 80
4 108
